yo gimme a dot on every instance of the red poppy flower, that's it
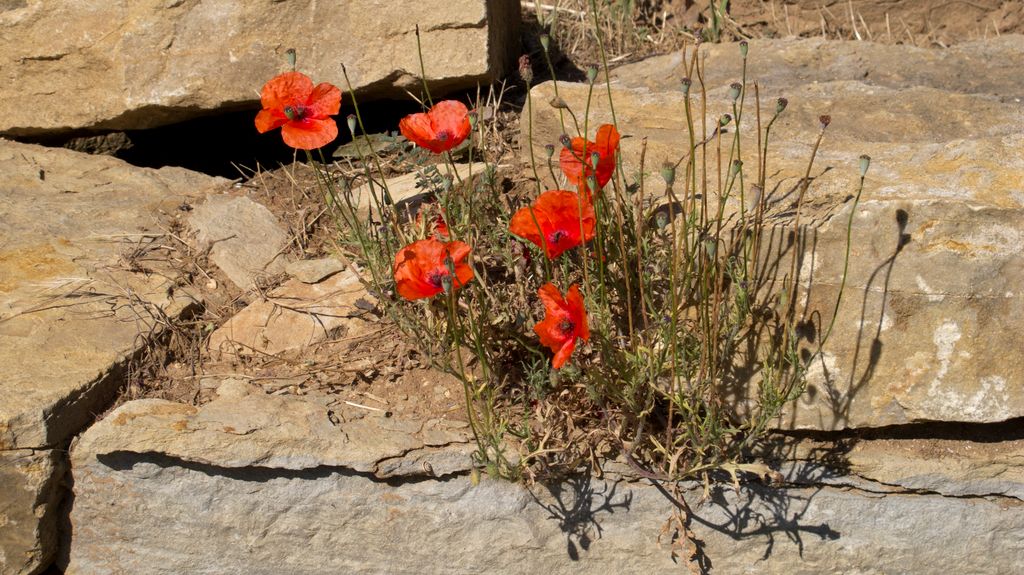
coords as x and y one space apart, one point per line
564 322
572 158
553 222
420 268
290 102
445 126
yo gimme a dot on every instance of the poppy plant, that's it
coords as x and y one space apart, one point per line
421 268
578 168
564 322
302 111
442 128
555 222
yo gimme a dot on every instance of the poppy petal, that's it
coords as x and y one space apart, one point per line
286 89
563 354
309 134
325 100
267 120
526 224
577 311
417 129
607 138
451 117
571 166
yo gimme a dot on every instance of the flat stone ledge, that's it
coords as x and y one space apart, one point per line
187 517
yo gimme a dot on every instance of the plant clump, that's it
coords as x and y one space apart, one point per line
613 316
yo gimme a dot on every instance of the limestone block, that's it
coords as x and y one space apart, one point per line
133 65
163 488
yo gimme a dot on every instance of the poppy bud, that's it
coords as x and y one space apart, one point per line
825 121
743 49
545 42
734 90
472 120
550 149
737 165
290 56
724 120
351 120
686 83
668 173
525 69
780 105
591 74
565 140
558 103
865 161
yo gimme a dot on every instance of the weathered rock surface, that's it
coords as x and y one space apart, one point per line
961 467
81 290
407 190
778 65
313 271
30 489
295 315
927 329
284 490
243 237
108 65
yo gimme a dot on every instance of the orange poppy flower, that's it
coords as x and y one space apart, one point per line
445 126
578 168
553 222
420 268
565 322
303 113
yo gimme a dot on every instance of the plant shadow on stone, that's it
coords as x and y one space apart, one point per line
576 505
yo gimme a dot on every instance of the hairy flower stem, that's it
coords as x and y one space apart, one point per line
388 200
423 69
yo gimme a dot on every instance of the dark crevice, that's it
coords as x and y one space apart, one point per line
894 489
226 144
126 460
1009 430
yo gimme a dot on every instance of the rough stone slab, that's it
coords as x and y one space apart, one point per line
256 430
133 65
76 302
313 271
204 518
405 190
949 467
30 489
294 316
989 66
244 238
70 310
927 332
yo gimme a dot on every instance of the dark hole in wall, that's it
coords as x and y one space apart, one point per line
216 144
